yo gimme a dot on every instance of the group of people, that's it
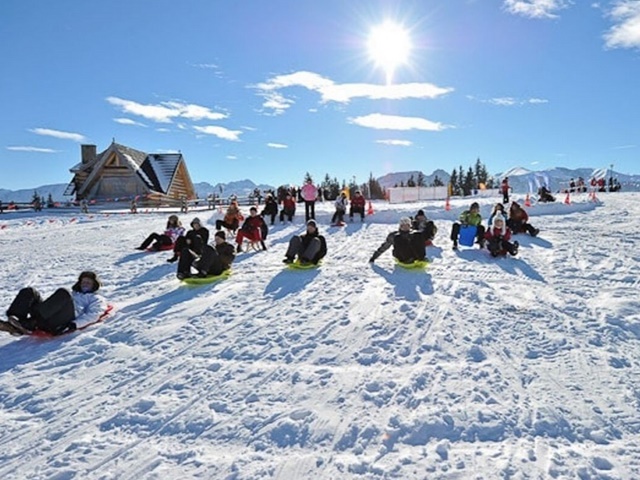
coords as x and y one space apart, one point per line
66 310
501 225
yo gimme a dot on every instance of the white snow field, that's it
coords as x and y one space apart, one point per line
477 368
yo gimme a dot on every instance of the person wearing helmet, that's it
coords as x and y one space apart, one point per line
160 241
408 246
469 217
63 311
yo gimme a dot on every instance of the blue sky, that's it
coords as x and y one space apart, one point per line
269 90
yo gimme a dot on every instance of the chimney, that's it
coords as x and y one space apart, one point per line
88 153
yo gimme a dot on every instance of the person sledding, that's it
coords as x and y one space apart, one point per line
420 223
498 236
341 208
408 246
254 229
288 208
498 209
213 262
194 240
518 221
232 218
62 312
469 218
357 206
544 195
270 208
164 241
308 248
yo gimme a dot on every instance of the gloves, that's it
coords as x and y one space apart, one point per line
372 259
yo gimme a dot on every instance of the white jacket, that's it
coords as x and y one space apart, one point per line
88 307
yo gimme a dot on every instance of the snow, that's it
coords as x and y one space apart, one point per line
476 368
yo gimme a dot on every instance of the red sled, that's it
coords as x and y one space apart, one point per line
43 334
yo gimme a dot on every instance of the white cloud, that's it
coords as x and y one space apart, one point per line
277 145
330 91
399 143
509 101
220 132
128 121
379 121
625 33
536 8
166 111
162 130
76 137
624 147
231 157
31 149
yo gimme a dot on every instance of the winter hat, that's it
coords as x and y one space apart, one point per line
420 212
195 221
221 234
87 274
405 221
312 222
500 218
474 205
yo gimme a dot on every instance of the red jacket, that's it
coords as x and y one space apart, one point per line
494 232
357 201
289 204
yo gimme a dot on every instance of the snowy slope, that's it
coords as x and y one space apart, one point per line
477 368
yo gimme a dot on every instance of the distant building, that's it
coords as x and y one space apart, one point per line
123 172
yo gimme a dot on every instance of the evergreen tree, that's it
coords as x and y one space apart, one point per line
411 182
375 190
454 182
50 202
437 182
420 182
35 197
469 183
307 177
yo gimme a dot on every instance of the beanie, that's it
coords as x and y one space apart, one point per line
406 221
312 222
221 234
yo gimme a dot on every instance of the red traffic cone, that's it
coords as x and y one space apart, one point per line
370 209
567 199
447 205
527 201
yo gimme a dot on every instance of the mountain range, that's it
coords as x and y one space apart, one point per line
520 179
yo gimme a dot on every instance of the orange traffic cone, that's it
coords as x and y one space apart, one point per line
567 199
527 201
370 209
447 205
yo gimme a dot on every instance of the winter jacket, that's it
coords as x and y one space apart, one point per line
254 224
388 243
357 201
504 187
309 192
341 203
289 204
469 218
88 307
307 239
174 232
227 254
270 207
498 233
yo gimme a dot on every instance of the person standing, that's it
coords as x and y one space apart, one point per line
309 195
504 188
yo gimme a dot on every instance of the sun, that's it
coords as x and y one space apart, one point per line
389 46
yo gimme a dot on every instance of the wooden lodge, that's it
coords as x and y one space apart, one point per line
123 173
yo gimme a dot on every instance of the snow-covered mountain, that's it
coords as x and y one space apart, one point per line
240 188
392 179
25 195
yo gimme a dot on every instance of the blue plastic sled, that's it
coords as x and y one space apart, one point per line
467 235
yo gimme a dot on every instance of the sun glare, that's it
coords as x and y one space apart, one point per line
389 46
